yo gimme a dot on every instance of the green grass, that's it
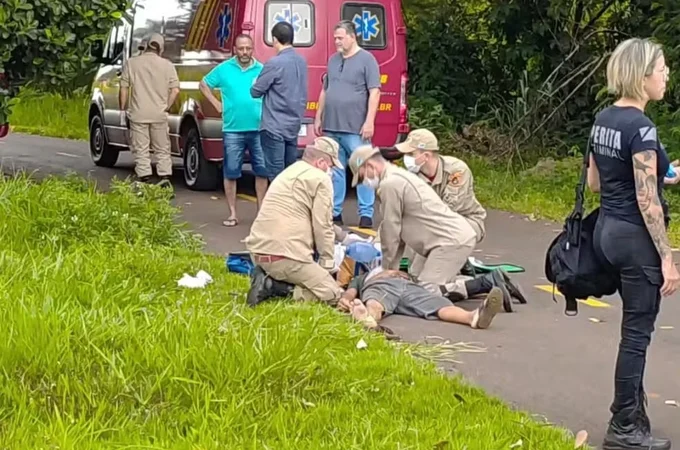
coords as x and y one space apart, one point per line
99 348
51 115
546 191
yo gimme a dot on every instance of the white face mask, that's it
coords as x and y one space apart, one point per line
371 183
329 172
411 165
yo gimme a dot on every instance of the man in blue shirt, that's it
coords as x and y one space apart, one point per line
241 114
283 84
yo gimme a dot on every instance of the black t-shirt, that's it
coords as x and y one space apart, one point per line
618 134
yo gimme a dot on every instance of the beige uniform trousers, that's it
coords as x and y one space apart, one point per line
312 282
154 136
442 267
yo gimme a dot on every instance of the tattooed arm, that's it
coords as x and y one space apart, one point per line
646 187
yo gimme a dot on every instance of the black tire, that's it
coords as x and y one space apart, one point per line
199 173
102 154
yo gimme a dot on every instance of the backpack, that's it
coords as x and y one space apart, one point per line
571 263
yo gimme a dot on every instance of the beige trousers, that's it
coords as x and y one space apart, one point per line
442 267
312 282
154 136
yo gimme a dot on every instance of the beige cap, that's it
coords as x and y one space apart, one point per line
420 139
328 146
158 40
359 157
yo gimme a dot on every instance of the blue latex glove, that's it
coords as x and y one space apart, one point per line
362 252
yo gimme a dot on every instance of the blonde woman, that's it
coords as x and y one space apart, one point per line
628 167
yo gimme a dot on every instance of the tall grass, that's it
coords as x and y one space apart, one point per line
52 114
100 348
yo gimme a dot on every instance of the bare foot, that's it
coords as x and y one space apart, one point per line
492 305
360 314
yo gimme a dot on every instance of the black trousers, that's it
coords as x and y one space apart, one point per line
629 250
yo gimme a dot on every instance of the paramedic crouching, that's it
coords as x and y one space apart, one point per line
627 167
295 219
414 216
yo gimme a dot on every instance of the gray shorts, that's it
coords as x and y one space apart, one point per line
399 296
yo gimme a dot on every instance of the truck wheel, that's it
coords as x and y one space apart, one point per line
199 173
103 154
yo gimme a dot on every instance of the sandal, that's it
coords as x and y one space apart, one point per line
230 223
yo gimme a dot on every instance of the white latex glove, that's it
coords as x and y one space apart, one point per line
351 238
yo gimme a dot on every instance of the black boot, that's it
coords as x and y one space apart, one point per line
263 287
627 432
468 270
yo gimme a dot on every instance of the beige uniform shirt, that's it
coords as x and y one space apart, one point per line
150 78
296 217
454 184
415 216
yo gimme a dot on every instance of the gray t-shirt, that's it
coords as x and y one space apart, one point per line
347 85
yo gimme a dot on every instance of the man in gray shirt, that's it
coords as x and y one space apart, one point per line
283 84
348 103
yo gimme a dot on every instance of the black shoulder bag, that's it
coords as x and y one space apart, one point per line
571 264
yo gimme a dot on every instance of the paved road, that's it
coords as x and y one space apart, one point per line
537 358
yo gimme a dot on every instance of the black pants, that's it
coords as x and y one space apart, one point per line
629 250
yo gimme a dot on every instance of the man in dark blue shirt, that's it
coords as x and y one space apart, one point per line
283 84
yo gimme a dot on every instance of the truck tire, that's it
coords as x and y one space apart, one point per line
102 154
199 173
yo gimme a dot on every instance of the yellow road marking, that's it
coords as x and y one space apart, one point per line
247 197
364 231
590 302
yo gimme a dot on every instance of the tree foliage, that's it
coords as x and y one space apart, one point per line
532 69
47 42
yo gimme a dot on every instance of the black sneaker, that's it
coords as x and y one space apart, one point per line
515 291
365 222
636 439
338 220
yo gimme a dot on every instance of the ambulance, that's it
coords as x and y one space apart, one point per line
200 34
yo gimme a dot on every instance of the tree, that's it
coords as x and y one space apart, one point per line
47 42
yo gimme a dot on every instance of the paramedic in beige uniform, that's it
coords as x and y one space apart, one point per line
155 87
414 216
294 221
450 177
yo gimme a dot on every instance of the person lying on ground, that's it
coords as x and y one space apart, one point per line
415 217
373 296
294 222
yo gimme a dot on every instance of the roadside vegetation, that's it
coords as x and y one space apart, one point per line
100 348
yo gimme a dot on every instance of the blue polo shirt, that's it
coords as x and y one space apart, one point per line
240 111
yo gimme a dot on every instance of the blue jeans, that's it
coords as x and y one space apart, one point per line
235 145
279 153
365 196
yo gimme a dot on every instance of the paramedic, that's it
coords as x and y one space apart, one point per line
414 216
294 221
155 87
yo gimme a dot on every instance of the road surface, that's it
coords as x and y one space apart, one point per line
560 368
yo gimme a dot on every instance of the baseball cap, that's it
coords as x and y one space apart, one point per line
328 146
359 157
157 39
420 139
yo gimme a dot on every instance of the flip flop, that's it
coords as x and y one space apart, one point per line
230 223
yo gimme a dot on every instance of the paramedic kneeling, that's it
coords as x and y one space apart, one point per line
627 166
295 219
414 216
